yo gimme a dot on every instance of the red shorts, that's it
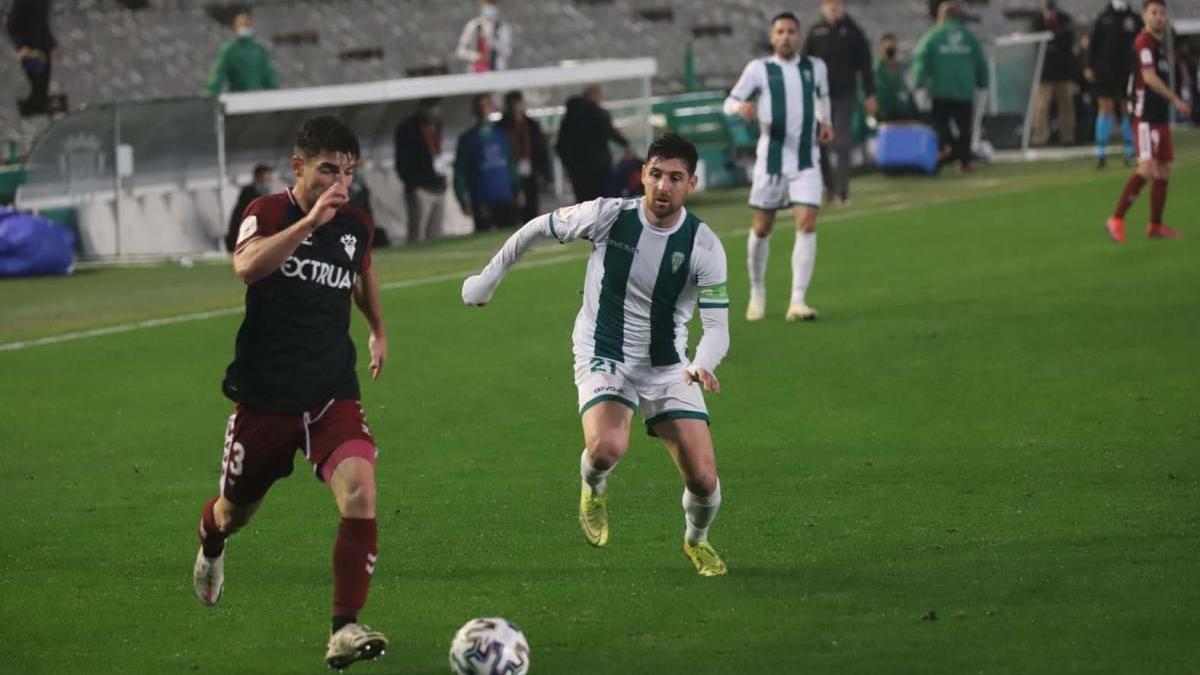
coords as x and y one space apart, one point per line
1153 141
260 446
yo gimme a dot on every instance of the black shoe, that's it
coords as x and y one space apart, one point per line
1100 162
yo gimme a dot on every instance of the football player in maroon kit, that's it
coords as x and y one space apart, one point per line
304 254
1152 101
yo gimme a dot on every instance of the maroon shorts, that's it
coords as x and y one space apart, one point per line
260 447
1153 141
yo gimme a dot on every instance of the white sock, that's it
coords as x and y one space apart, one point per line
698 514
596 479
757 250
804 258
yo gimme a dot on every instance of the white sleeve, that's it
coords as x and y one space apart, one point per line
747 86
466 48
821 75
590 220
478 289
711 277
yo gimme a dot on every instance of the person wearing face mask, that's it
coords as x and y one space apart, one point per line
243 63
895 100
418 143
486 41
1110 63
263 184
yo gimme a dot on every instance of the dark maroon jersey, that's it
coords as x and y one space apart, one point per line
293 349
1148 105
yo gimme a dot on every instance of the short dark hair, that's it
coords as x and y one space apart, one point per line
260 169
888 36
326 133
1161 3
790 16
673 146
512 97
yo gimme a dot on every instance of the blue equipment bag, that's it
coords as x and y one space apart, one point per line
32 246
906 147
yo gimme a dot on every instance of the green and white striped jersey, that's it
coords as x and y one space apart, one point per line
793 95
643 283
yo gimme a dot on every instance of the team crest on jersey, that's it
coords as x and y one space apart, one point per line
677 259
349 242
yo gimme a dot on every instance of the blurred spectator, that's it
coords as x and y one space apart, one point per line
243 62
418 163
949 62
29 27
1109 65
486 41
263 184
360 198
485 172
838 40
583 137
1059 70
529 147
895 100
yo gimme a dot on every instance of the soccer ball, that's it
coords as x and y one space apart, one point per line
490 646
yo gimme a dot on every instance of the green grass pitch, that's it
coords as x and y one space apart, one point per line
995 420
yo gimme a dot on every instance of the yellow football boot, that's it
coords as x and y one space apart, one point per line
593 516
705 558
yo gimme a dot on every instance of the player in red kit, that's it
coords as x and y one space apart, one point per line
304 254
1152 101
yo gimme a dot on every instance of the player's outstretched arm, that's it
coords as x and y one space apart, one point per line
477 290
366 296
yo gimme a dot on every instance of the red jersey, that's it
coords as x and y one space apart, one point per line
293 349
1148 105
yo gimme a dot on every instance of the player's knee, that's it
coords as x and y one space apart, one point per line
231 518
761 229
808 224
605 450
702 483
357 498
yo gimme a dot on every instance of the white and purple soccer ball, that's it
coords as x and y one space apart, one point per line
489 646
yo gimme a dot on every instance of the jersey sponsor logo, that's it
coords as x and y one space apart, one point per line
318 272
677 259
1147 57
249 227
349 242
632 250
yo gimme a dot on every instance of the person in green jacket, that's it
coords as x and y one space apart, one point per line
949 63
243 63
895 100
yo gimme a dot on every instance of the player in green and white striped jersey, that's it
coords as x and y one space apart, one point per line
652 263
788 96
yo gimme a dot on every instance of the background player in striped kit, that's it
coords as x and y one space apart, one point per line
652 262
788 96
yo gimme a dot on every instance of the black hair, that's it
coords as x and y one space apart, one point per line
512 97
1161 3
887 36
477 103
673 146
260 169
790 16
326 133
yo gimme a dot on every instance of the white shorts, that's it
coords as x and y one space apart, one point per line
772 193
660 392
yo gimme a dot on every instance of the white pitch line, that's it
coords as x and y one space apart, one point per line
437 278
